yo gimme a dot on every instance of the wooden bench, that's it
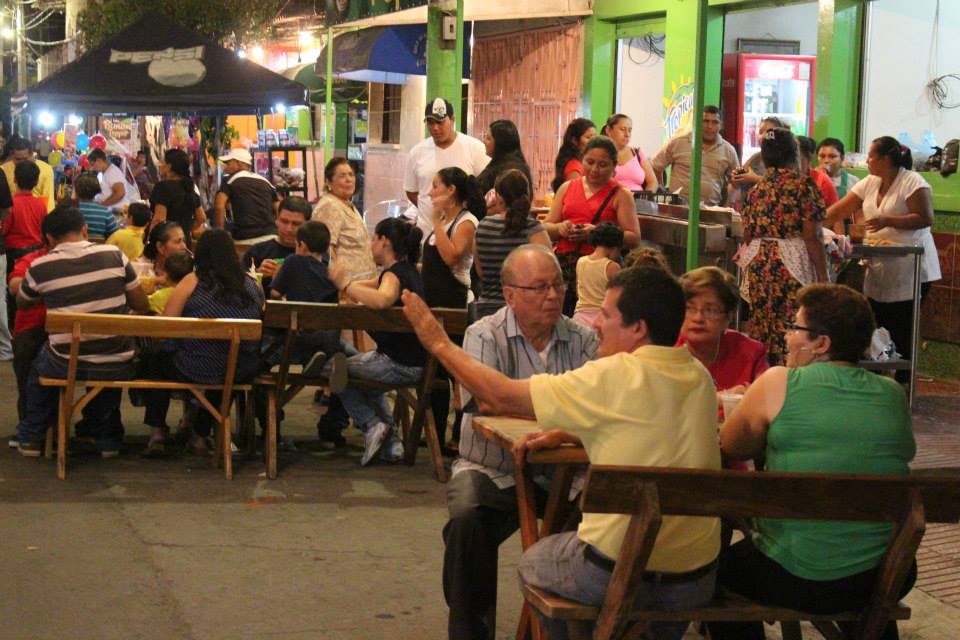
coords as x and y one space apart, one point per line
283 386
76 324
647 493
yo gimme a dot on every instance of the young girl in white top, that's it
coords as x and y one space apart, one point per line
595 270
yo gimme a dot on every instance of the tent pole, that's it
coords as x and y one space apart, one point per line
696 162
328 125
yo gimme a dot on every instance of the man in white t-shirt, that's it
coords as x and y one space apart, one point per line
115 191
444 148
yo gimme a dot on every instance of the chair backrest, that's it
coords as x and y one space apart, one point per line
744 494
313 316
152 326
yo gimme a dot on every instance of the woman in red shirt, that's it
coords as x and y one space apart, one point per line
582 204
575 138
733 359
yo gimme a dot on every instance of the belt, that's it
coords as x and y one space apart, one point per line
597 559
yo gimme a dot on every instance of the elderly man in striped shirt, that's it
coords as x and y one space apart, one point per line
80 277
526 337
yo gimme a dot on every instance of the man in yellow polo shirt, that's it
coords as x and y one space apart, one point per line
641 403
19 149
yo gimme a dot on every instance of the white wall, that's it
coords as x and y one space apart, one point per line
790 22
897 69
640 95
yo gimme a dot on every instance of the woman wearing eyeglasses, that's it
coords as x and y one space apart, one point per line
733 359
821 413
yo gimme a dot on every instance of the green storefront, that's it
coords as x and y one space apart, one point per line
837 99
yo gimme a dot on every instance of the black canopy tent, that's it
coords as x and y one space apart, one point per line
156 66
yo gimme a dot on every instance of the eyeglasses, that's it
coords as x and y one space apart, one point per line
796 327
711 313
541 289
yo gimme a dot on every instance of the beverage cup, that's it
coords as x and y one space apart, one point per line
857 233
729 401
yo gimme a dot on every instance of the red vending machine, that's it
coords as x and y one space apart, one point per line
756 86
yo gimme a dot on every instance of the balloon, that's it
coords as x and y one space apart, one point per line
55 158
84 163
57 140
97 141
83 141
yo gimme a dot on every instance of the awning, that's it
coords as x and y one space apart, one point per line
343 90
383 54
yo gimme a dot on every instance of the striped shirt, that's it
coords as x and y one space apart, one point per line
493 246
83 277
101 222
497 342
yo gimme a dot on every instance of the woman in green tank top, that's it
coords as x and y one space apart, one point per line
821 413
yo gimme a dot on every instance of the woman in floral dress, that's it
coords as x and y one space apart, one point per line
783 248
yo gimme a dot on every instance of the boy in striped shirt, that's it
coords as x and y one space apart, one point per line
100 220
78 276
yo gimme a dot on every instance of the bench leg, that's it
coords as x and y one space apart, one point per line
433 442
829 630
227 449
48 444
790 630
270 438
62 420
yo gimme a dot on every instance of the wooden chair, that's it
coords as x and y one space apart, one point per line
76 324
282 385
647 493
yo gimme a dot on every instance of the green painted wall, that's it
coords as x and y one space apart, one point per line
444 65
840 40
839 54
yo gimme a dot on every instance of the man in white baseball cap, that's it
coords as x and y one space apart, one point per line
444 148
251 198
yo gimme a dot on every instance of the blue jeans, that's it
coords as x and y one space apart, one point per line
101 416
366 406
557 564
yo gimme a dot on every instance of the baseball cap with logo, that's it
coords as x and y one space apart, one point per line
438 110
239 154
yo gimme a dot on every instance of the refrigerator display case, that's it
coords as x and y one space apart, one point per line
756 86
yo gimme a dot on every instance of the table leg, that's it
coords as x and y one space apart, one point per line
915 355
555 512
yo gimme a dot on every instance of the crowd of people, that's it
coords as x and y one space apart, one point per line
576 325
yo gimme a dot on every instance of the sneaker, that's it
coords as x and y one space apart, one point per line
30 449
332 441
337 380
108 449
373 439
13 441
392 450
287 444
314 366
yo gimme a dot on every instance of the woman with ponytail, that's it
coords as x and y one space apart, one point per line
507 226
175 197
448 255
898 208
568 165
399 358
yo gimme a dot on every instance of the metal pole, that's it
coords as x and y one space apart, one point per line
329 125
21 51
696 161
915 353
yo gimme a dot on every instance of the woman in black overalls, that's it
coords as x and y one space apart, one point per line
447 257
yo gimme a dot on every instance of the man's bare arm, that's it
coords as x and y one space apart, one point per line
493 390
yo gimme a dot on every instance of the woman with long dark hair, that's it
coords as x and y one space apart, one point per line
568 165
781 224
175 198
503 146
399 358
500 233
219 288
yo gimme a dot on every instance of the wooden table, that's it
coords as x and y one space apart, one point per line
505 432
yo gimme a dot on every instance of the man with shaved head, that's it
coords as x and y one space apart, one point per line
526 337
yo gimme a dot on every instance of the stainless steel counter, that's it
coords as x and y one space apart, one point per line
720 231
